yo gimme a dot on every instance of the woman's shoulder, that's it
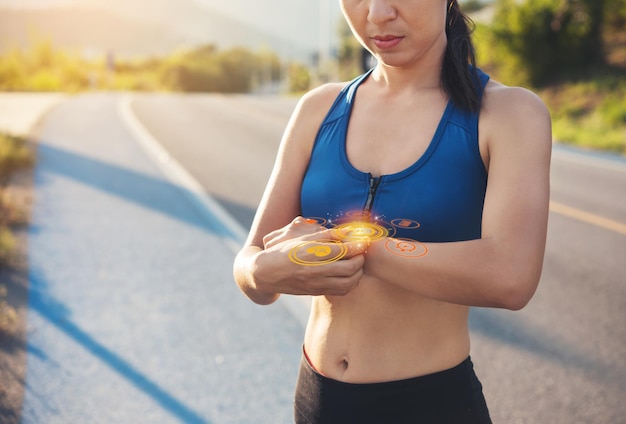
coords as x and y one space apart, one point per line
312 108
322 97
307 117
513 118
509 110
510 102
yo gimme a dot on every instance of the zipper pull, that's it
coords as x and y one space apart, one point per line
373 186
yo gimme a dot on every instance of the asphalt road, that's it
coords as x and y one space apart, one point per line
133 316
561 359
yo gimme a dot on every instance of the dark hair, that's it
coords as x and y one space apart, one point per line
460 80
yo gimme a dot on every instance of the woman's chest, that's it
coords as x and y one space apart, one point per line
437 198
384 140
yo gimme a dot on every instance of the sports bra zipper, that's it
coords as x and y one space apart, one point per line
373 187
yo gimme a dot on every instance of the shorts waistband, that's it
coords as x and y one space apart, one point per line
428 380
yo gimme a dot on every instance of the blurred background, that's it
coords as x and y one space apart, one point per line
573 52
136 138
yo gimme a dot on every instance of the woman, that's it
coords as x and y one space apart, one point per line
398 201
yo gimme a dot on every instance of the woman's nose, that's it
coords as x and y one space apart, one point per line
381 11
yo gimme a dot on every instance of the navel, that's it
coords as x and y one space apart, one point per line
344 364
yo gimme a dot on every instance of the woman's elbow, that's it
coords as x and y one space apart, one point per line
261 298
515 301
518 290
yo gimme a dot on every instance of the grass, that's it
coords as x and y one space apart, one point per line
590 113
15 155
8 315
588 108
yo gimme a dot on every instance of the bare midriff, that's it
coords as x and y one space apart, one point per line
379 332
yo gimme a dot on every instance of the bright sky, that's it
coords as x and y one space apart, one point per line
296 20
32 3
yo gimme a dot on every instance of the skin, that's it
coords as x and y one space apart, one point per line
368 324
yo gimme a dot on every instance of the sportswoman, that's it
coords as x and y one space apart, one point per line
399 200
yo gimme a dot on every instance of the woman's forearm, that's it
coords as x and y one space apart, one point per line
481 272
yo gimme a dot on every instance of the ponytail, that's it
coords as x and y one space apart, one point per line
460 80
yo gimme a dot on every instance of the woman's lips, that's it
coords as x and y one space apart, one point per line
387 41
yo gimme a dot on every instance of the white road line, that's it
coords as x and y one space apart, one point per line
298 306
179 176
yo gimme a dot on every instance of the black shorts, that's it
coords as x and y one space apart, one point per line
452 396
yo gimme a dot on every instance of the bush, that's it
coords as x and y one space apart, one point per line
44 68
8 315
590 113
549 38
14 155
590 131
7 246
237 70
469 6
615 15
299 78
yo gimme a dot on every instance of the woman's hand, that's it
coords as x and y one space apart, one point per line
297 228
305 258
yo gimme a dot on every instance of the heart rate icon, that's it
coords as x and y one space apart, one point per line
315 253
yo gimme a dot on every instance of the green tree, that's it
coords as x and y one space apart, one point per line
551 38
351 53
231 71
299 78
470 6
615 16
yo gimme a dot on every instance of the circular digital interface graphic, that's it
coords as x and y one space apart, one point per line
406 248
358 214
319 252
360 231
315 220
407 224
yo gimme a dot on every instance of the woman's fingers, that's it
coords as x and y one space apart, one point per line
315 250
309 229
335 279
323 261
356 248
299 227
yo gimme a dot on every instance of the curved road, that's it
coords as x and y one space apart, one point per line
561 359
132 313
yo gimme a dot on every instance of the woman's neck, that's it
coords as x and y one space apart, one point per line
396 81
424 74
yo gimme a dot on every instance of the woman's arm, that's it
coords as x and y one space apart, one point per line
262 269
502 269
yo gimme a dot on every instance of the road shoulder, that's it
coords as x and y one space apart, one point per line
20 115
15 279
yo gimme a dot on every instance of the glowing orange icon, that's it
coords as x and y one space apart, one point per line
315 253
358 214
319 251
408 224
406 247
314 220
360 231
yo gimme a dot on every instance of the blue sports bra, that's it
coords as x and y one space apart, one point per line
437 199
